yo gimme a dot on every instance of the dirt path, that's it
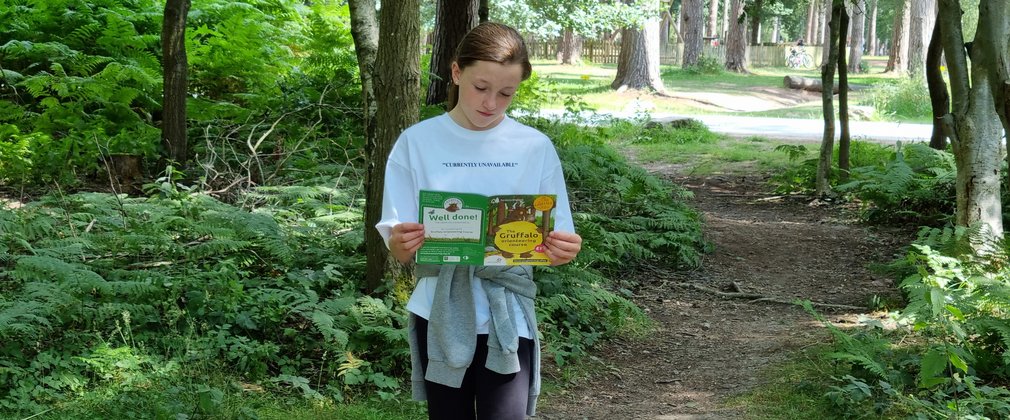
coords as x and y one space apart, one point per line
708 348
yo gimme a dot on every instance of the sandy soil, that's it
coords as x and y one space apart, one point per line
708 347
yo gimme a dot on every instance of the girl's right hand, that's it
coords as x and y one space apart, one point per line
404 241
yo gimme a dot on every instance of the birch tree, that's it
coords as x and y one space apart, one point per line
974 126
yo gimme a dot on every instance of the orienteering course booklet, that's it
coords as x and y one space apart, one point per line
473 229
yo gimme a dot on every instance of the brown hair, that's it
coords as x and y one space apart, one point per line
489 41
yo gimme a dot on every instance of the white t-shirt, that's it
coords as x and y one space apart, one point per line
437 154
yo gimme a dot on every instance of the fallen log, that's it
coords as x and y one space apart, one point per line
805 83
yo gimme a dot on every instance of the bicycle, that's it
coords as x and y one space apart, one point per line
799 58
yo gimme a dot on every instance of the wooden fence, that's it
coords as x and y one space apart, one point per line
606 52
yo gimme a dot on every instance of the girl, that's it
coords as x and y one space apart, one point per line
472 330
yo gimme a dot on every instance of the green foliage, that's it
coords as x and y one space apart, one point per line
84 75
916 184
906 98
706 65
685 131
623 213
958 360
183 278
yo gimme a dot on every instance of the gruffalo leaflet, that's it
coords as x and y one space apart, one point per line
472 229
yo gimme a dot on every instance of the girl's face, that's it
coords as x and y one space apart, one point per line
485 92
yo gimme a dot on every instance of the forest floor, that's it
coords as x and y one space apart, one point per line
708 348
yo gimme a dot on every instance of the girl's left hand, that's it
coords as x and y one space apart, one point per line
562 247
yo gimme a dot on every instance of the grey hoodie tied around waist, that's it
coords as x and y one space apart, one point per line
452 325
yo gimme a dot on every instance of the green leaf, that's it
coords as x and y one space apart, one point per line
955 311
936 300
934 362
957 362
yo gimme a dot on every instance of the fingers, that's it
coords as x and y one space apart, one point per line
405 239
563 247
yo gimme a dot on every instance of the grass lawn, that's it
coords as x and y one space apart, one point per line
759 93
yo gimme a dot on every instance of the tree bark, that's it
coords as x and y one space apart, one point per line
973 123
922 19
712 28
453 19
175 67
858 21
666 21
397 87
998 31
872 37
805 83
897 60
482 11
736 45
365 32
826 31
638 61
569 47
725 20
824 161
844 137
755 21
808 34
692 27
938 96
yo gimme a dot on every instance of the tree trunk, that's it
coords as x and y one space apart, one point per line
805 83
664 30
816 30
692 27
921 26
858 25
938 96
828 79
973 124
872 38
897 60
453 19
998 31
844 137
482 11
365 32
397 87
725 20
755 21
569 47
827 31
736 45
712 29
638 61
175 67
811 28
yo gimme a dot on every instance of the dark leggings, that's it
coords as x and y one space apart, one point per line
484 394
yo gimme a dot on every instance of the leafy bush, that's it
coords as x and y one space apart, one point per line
907 98
706 65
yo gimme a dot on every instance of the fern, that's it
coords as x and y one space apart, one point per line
22 319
